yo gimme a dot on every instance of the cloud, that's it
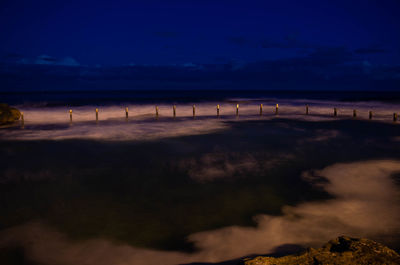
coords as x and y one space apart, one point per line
291 41
23 61
331 55
320 68
68 61
365 204
45 59
190 65
369 50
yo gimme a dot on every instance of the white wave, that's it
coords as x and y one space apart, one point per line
142 123
365 204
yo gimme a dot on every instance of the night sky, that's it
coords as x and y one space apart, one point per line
200 44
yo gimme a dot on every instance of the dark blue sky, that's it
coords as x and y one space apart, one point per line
178 32
323 38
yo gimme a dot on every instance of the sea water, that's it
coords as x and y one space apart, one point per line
195 189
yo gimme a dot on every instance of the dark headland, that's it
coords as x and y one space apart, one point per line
342 250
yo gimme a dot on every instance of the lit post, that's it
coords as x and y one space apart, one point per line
354 113
174 111
261 109
70 116
394 117
97 115
276 109
334 112
306 109
217 110
126 113
370 115
156 112
22 120
237 109
194 111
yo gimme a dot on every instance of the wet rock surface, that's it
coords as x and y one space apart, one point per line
8 114
343 250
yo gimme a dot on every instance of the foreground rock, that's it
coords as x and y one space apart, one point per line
343 250
8 114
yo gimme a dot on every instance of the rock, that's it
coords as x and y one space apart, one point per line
343 250
8 114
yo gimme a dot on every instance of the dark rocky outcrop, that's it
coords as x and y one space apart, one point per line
343 250
8 114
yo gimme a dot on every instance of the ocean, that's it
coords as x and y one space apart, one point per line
195 188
